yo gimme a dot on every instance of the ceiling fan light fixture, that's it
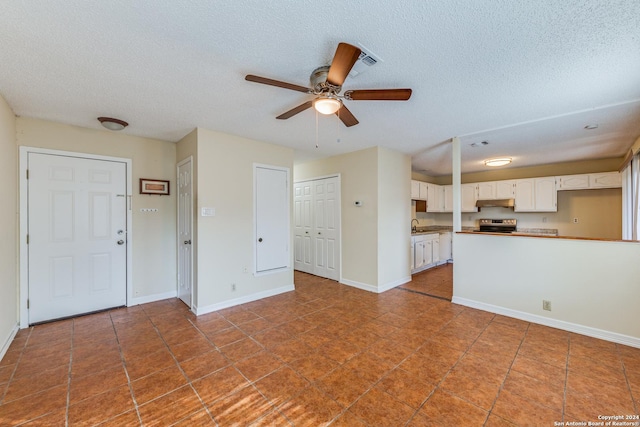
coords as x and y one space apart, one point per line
327 105
112 124
498 162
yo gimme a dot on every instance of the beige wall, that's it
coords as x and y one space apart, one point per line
359 181
154 234
375 245
394 217
8 232
225 242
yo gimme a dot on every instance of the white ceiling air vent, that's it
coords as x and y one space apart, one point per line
366 60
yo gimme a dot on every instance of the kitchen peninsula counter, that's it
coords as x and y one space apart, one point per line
544 236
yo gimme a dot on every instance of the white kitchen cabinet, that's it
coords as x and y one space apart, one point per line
487 190
445 247
505 189
536 195
435 198
573 182
469 195
605 180
426 250
418 190
448 197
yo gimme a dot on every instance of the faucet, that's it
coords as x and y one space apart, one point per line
413 227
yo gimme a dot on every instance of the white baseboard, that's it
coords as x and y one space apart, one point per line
376 289
8 340
152 298
242 300
554 323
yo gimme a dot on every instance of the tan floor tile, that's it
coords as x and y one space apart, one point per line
553 375
390 350
521 411
157 384
226 336
204 364
241 349
253 326
190 349
344 386
292 350
258 365
240 317
369 366
55 418
170 408
101 407
339 350
314 366
543 393
28 385
347 419
445 409
598 369
138 367
219 384
274 418
126 419
312 407
199 419
430 371
406 388
90 385
33 406
587 398
281 385
392 413
272 337
472 388
241 408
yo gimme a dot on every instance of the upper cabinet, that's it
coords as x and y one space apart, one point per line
590 181
493 190
418 190
435 198
487 190
469 195
536 195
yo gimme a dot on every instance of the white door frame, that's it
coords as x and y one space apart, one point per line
182 162
335 175
24 249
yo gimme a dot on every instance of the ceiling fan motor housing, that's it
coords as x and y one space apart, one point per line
319 83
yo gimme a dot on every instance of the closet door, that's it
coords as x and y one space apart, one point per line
303 227
326 230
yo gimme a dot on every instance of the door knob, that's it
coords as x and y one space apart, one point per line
260 239
121 242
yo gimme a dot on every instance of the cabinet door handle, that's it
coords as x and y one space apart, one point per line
260 239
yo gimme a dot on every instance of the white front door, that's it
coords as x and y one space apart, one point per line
77 229
271 218
185 218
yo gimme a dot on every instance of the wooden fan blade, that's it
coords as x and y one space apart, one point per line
378 94
295 110
346 116
346 55
277 83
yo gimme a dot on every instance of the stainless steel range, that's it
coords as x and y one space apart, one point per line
497 225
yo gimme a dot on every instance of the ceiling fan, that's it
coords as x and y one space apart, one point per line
326 85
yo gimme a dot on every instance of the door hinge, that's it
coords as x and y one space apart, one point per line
27 239
27 302
27 173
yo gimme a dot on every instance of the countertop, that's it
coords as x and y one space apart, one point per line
546 236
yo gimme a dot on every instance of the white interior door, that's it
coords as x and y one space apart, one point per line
271 219
326 230
303 226
185 219
77 251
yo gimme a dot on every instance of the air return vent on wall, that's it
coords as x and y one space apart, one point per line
366 60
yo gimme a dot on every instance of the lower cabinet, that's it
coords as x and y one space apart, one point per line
426 251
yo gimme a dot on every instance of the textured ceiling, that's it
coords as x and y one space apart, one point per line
525 76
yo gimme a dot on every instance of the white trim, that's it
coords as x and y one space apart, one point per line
553 323
193 215
334 175
24 252
242 300
394 284
376 289
152 298
7 342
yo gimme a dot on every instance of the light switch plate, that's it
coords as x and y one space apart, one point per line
208 211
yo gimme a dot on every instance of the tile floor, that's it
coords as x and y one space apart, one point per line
436 282
323 354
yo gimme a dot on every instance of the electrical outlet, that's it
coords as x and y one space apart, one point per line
233 287
546 305
575 220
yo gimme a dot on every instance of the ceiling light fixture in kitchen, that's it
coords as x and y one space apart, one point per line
112 124
498 162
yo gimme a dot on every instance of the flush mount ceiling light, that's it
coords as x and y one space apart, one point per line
592 126
497 162
112 124
327 105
